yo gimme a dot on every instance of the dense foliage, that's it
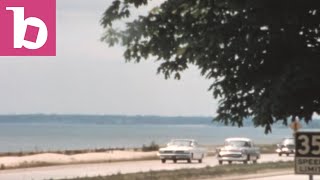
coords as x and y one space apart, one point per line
262 56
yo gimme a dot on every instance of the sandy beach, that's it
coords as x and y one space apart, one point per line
56 159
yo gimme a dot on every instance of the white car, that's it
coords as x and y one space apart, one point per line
238 149
182 149
287 146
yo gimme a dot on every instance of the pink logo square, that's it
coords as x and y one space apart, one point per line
27 27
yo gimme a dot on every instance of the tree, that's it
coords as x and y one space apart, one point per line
262 56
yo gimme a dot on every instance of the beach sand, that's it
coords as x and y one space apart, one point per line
56 159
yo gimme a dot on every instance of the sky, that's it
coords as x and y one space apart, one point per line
88 77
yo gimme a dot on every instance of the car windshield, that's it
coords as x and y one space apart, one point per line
237 143
180 143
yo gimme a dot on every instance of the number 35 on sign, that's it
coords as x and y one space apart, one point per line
307 159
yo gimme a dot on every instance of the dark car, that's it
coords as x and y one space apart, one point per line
287 146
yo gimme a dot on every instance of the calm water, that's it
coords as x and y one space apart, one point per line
25 137
56 134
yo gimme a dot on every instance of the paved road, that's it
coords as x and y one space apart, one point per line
287 177
81 170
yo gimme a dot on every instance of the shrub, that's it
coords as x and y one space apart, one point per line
152 147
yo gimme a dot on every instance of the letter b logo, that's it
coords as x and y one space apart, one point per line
20 26
27 28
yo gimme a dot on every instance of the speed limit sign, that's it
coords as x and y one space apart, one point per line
307 160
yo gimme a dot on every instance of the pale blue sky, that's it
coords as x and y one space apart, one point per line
88 77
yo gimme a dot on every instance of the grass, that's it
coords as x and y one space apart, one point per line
203 173
151 147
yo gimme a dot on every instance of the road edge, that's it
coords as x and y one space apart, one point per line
254 176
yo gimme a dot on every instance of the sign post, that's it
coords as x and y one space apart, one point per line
307 156
295 126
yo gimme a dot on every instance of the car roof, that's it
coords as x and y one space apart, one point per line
238 139
182 140
287 138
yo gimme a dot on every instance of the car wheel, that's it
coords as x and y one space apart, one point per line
254 161
246 161
163 160
174 161
220 162
200 160
229 162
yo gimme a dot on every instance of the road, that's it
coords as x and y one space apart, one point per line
82 170
289 177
